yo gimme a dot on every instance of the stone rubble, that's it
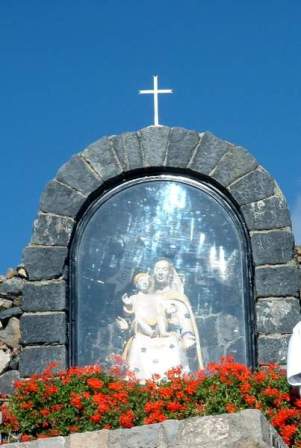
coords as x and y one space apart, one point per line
11 334
11 287
5 355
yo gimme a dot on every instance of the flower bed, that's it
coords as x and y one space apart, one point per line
86 399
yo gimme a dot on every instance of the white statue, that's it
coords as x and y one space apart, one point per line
163 325
294 358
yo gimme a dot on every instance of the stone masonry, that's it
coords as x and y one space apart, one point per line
34 298
11 288
246 429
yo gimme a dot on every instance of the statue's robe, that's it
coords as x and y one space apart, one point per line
294 357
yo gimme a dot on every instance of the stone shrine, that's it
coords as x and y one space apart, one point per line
163 242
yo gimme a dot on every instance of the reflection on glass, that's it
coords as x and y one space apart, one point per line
160 280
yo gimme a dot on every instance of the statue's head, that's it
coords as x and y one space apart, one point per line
163 272
143 281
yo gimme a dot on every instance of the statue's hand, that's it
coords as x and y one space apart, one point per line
164 334
122 323
155 333
188 340
127 300
171 310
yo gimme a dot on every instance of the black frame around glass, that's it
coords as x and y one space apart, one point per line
204 184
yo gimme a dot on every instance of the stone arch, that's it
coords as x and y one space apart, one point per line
258 198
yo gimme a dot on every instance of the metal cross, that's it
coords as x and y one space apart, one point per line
155 92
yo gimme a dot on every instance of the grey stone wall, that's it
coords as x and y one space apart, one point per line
246 429
257 197
11 287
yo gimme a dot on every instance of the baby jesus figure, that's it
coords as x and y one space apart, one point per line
148 317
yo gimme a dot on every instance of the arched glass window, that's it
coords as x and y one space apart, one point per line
160 278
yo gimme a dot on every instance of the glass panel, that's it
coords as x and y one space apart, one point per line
159 278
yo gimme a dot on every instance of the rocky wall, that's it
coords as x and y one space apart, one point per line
11 287
246 429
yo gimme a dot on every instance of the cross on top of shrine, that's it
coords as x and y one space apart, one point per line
156 93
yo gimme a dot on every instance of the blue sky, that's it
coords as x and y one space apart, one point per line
71 69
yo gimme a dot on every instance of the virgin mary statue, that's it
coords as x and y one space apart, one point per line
163 326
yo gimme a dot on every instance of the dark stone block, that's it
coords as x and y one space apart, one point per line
11 287
61 200
52 230
154 141
7 314
7 381
181 145
277 281
44 296
43 328
208 154
274 247
44 262
235 163
103 159
254 186
271 213
77 174
36 359
128 149
277 315
272 349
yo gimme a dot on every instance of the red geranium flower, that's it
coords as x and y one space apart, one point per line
271 392
117 387
245 388
95 418
230 408
26 405
175 406
155 417
99 398
126 419
76 400
50 389
95 383
25 438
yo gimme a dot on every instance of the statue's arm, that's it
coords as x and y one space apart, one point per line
144 328
186 325
162 321
122 323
